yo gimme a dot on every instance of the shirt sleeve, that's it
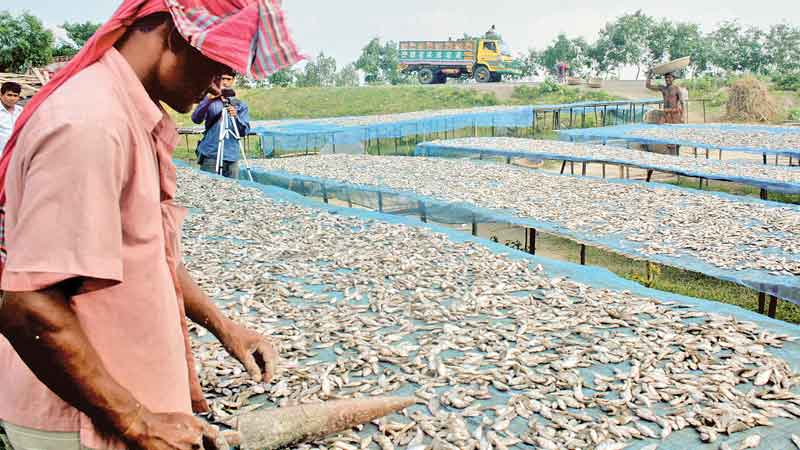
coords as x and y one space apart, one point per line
243 118
199 114
66 221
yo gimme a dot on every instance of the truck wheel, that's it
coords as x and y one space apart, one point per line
482 75
426 76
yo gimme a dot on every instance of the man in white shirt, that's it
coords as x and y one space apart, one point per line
9 110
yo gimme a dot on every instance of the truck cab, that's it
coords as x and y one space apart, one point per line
495 56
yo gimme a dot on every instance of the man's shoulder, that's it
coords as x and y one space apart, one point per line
89 97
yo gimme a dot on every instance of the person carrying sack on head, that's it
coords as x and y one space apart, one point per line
209 111
95 351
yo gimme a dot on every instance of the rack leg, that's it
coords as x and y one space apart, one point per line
532 241
583 254
474 227
773 306
762 300
563 166
423 214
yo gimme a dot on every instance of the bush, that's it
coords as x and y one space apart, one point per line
794 114
787 82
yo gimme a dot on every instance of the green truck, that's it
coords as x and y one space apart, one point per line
486 60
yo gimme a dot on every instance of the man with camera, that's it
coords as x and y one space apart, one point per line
209 111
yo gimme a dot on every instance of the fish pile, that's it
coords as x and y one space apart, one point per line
621 155
640 219
501 353
726 136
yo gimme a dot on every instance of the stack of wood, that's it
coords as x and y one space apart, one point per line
31 82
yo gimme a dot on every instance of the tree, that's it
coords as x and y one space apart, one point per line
571 51
379 63
370 61
80 32
347 76
625 40
24 43
783 48
735 48
530 63
282 78
318 72
688 40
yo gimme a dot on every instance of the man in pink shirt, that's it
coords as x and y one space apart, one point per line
96 352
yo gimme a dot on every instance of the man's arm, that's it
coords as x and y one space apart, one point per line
649 83
254 351
200 113
46 334
243 118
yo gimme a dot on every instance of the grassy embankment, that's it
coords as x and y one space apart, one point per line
268 104
312 103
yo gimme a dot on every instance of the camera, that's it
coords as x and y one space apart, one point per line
227 96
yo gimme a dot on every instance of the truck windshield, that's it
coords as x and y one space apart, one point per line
505 49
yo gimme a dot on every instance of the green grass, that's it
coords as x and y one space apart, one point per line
313 103
549 92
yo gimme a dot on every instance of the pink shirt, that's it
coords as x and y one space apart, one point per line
90 193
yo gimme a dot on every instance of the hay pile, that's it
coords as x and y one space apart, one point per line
749 100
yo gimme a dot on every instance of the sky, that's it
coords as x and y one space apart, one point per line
341 28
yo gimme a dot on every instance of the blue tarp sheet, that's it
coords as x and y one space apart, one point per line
315 133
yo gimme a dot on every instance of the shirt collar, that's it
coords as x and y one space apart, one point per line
149 113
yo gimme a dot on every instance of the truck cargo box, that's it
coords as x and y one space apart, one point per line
441 53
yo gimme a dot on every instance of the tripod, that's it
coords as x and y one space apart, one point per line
228 129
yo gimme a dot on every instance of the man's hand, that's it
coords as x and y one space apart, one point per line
232 111
173 431
254 351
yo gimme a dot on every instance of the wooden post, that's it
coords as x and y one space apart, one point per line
532 241
773 306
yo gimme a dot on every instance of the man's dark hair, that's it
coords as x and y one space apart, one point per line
12 87
229 71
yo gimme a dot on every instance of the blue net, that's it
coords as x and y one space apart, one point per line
700 168
388 200
775 436
337 134
758 139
